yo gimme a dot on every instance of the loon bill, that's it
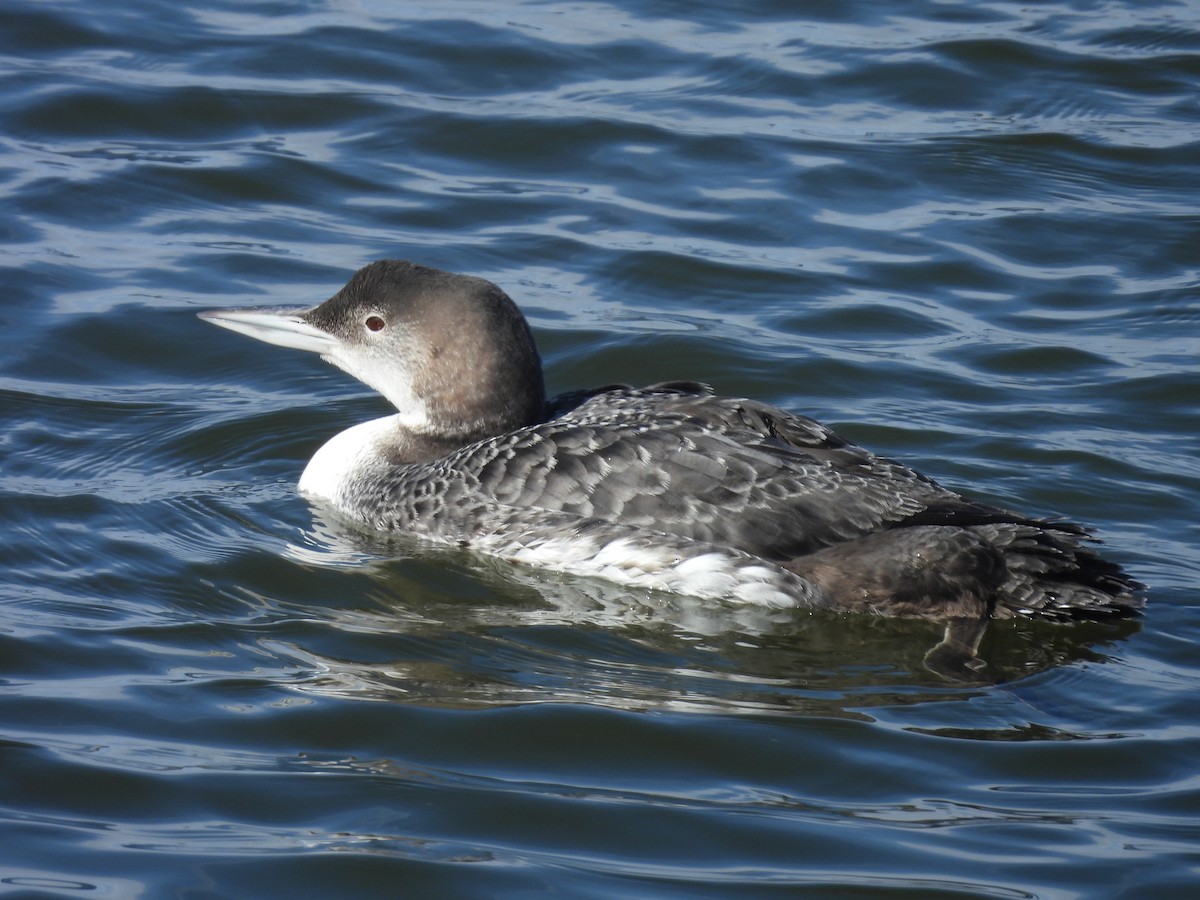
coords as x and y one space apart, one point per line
666 487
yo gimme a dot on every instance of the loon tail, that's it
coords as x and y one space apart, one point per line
988 568
1052 573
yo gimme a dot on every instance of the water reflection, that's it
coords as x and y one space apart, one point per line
470 630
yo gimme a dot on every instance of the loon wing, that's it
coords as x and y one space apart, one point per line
674 459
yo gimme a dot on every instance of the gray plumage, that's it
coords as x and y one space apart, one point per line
700 493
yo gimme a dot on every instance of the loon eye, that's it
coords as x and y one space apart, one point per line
375 323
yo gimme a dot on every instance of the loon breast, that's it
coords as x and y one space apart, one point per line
356 454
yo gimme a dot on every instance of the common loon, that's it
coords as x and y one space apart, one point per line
664 487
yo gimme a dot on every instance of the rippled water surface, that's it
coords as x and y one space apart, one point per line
965 234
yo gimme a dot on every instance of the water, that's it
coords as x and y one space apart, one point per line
965 234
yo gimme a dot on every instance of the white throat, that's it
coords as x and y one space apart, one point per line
394 382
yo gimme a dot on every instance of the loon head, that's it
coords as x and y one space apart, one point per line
451 352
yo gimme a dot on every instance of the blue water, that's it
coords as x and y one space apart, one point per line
967 235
